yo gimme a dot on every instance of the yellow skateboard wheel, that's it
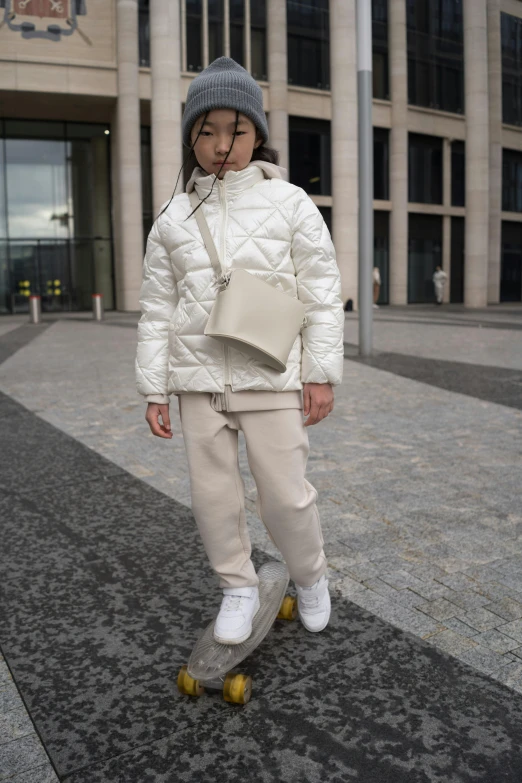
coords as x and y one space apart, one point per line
288 610
237 688
187 684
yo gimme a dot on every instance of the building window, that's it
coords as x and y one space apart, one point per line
237 31
258 54
424 169
216 15
146 182
511 262
458 174
381 163
435 54
511 35
511 181
424 255
381 243
310 155
381 86
194 16
308 43
457 260
55 215
144 33
326 212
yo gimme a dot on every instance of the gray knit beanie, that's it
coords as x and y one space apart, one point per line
224 84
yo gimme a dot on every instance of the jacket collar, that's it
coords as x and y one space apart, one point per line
234 181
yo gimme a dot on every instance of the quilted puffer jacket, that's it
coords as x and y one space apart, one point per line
263 224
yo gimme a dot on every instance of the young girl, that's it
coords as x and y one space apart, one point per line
261 223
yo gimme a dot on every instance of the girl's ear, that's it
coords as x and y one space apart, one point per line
259 141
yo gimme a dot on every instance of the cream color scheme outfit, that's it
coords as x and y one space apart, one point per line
277 449
261 223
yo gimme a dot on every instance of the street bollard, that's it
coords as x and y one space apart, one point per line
35 309
97 307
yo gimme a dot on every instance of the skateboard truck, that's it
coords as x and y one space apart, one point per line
210 665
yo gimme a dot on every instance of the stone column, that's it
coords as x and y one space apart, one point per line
278 76
477 153
495 149
165 64
129 259
343 80
398 153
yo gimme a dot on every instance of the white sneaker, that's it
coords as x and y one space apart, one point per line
238 608
376 307
313 604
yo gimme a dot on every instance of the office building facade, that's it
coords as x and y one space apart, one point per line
91 98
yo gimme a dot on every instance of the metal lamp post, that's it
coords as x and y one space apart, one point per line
365 134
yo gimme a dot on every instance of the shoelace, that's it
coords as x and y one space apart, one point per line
232 603
310 602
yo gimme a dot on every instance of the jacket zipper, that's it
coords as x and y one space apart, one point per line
224 216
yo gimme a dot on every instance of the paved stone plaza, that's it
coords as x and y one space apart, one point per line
418 471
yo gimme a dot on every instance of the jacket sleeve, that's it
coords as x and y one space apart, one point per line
158 300
319 288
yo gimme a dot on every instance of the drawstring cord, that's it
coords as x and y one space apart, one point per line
218 402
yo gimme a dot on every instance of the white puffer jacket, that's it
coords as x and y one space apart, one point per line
263 224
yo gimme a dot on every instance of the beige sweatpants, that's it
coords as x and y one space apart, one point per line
277 449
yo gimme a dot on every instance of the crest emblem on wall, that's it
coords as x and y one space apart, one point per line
49 19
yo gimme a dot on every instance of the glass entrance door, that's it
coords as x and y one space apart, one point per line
55 228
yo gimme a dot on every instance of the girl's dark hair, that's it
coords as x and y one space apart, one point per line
262 152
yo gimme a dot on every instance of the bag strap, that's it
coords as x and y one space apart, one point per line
205 233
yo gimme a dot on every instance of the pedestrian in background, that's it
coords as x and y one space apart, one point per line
439 281
261 223
376 286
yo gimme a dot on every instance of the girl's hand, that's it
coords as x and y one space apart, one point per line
154 411
318 401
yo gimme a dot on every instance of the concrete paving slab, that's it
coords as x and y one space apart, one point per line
408 482
382 730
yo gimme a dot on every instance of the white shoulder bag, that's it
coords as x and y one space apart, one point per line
249 314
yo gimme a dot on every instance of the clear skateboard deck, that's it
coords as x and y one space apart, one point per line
210 663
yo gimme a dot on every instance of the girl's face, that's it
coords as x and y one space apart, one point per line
216 138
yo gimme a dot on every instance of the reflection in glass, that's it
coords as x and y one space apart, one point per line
55 216
37 203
